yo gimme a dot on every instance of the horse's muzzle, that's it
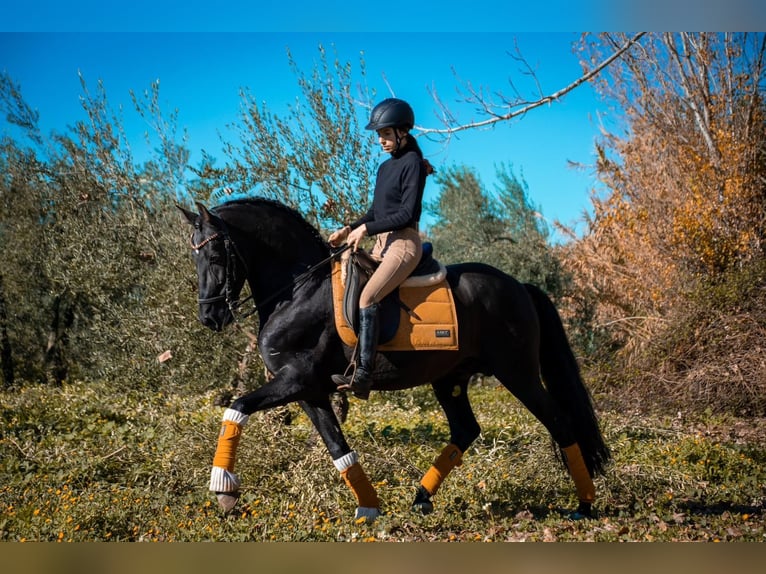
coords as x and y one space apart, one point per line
217 319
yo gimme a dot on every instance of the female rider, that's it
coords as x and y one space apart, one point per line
393 220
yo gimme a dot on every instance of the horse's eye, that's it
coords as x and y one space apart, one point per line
216 259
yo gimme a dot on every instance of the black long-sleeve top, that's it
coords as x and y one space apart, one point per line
398 198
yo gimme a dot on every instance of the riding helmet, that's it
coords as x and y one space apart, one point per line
391 113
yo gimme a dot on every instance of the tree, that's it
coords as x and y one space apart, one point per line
101 281
466 222
495 107
503 229
22 279
315 158
675 244
686 194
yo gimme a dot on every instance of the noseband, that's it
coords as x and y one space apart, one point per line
232 301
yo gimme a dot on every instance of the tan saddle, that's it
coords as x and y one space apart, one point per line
418 315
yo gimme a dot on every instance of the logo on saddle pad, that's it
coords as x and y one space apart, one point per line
419 315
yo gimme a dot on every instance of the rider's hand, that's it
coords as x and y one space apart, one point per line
337 237
356 236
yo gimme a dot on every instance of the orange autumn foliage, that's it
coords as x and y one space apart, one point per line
683 191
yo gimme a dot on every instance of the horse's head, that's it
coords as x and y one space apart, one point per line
220 271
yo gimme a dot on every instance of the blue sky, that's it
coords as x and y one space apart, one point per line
392 15
201 72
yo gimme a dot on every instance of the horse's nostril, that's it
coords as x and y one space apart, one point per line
210 323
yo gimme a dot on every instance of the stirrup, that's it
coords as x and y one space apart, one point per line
344 381
347 382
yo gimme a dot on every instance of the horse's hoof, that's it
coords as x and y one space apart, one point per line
423 507
227 500
422 502
583 512
368 513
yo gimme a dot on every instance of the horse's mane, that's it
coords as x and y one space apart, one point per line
287 210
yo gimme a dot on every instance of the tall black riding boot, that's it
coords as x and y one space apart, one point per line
360 380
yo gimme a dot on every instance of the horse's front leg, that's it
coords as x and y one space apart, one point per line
345 459
283 388
223 481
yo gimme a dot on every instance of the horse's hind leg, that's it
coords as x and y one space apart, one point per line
451 392
526 385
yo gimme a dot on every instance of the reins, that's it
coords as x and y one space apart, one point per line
232 252
303 277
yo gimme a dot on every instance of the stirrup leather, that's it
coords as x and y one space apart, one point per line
349 382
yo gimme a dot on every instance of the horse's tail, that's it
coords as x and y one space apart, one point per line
561 375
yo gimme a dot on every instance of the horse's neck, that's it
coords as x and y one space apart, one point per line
276 253
273 279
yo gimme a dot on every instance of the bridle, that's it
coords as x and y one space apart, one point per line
233 302
232 254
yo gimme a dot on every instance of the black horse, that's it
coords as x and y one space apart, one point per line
506 329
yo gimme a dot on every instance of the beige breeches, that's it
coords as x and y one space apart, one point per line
399 253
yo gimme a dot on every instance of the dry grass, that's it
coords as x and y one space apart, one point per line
75 468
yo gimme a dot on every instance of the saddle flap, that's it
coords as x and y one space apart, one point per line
359 267
353 287
411 318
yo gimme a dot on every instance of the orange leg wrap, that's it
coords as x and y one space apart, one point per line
450 457
228 440
586 492
359 484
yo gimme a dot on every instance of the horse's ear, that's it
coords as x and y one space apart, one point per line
190 216
203 211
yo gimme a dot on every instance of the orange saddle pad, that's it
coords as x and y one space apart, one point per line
431 326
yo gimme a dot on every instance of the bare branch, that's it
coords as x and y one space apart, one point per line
448 117
694 82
